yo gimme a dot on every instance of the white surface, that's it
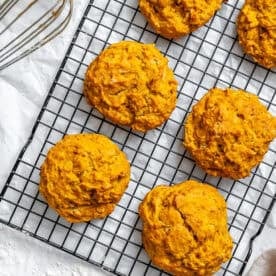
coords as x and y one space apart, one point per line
20 253
265 264
23 88
266 241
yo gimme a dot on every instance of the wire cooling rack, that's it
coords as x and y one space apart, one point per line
208 57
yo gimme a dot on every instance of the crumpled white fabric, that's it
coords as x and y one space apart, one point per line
263 258
265 265
23 88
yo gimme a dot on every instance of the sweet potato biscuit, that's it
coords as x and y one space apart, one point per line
84 176
228 132
257 31
173 19
185 228
131 84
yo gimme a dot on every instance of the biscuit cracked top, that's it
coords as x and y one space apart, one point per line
131 84
185 228
84 176
228 132
257 31
175 18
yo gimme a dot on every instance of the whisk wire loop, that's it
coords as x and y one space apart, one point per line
36 33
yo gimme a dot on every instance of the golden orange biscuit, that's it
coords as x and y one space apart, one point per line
185 228
256 27
173 19
228 132
131 84
84 176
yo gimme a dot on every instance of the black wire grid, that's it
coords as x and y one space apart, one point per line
208 57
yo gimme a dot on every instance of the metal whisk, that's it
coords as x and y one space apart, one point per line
27 25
